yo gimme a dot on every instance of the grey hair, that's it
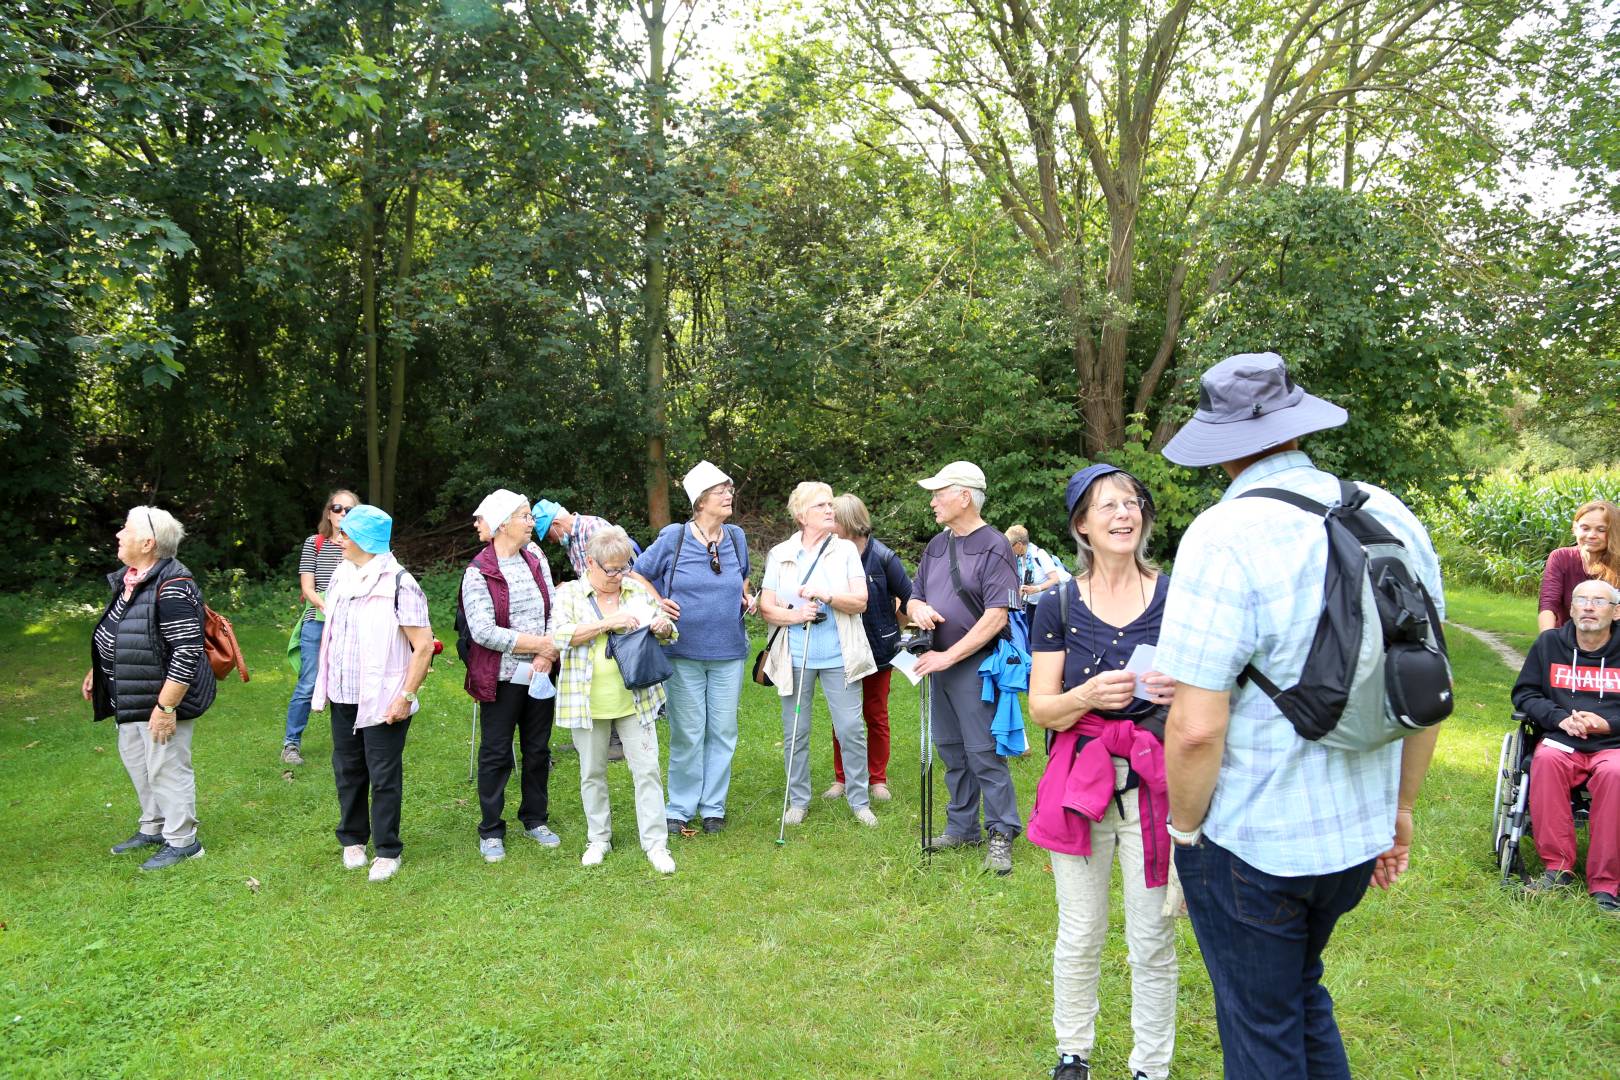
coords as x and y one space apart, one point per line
607 543
1085 557
161 526
1614 593
974 495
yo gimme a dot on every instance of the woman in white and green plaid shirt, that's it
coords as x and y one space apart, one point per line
592 700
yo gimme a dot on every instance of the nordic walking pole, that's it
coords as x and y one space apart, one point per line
787 748
472 746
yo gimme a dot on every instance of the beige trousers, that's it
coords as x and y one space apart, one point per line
164 782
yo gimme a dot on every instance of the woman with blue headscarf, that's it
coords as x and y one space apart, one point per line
374 656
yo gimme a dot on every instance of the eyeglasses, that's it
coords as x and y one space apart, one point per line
613 571
1592 602
719 489
1111 507
339 508
714 555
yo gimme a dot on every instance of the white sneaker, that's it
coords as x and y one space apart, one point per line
880 793
383 869
865 816
659 857
492 848
595 852
354 857
795 815
834 792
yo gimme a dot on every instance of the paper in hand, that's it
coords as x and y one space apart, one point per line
906 663
1140 663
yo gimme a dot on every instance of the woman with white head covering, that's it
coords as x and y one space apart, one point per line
700 568
506 596
374 657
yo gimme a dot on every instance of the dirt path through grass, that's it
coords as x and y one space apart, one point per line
1510 656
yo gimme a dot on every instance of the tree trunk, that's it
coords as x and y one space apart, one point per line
368 307
396 346
654 290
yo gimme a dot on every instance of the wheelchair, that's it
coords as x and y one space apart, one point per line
1512 809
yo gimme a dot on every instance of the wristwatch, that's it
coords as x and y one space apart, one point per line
166 710
409 695
1185 839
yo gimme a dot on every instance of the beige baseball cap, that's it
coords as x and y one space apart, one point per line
956 474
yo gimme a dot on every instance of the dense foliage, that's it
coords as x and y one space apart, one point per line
254 249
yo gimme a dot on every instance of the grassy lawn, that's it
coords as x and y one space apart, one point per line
1512 618
840 954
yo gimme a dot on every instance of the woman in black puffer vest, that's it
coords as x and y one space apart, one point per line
149 673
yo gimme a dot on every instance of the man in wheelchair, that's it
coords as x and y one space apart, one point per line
1570 689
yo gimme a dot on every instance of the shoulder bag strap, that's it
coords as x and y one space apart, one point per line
675 560
590 598
973 605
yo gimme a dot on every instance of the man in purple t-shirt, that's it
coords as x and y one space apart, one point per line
966 623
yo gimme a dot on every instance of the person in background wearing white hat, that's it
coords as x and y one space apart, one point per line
965 623
506 594
1276 837
700 570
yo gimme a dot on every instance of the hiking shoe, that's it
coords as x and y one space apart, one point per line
880 792
383 869
354 857
675 826
1070 1067
1607 901
999 856
139 840
834 792
865 816
595 852
492 848
794 815
1549 881
949 840
543 836
661 862
168 855
713 824
290 755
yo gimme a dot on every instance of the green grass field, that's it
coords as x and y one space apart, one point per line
840 954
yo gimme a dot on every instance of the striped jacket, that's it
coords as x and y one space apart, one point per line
572 607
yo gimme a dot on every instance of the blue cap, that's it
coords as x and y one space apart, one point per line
1080 481
545 512
369 527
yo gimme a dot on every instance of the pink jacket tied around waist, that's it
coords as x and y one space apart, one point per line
1076 787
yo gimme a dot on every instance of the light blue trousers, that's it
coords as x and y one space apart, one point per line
702 711
844 706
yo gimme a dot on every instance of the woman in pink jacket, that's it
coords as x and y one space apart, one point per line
1103 791
374 656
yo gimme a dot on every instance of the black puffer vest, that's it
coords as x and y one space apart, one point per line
140 656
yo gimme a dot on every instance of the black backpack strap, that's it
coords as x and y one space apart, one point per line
1310 506
968 601
736 549
675 560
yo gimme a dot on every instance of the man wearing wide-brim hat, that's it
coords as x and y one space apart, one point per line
1276 837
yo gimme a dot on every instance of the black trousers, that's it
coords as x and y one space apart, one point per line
368 762
513 710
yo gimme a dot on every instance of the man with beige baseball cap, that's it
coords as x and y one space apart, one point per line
966 581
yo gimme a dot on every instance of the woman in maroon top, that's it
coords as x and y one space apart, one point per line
1596 554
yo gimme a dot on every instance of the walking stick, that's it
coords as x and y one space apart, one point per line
787 748
472 746
925 713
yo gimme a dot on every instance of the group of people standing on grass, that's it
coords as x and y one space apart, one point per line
1162 752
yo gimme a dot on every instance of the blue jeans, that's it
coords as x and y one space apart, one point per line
309 659
1262 938
702 711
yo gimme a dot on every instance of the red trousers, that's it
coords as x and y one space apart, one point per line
875 710
1552 774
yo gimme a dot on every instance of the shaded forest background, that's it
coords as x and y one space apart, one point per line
254 249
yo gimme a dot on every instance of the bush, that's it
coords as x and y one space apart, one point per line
1497 531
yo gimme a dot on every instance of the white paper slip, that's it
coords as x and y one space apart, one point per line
906 663
524 673
1140 663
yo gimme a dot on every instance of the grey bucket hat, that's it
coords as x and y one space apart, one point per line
1246 404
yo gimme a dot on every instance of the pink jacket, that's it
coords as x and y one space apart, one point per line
1076 787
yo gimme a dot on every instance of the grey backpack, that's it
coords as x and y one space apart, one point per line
1377 669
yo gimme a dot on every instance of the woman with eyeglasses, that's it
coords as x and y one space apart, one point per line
507 598
149 673
320 556
700 569
593 701
1108 752
1595 554
815 589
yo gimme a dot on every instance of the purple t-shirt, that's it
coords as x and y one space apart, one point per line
1564 571
989 575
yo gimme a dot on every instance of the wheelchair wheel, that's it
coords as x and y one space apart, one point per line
1507 768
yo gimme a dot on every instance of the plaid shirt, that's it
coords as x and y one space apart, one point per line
573 606
1247 588
585 526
